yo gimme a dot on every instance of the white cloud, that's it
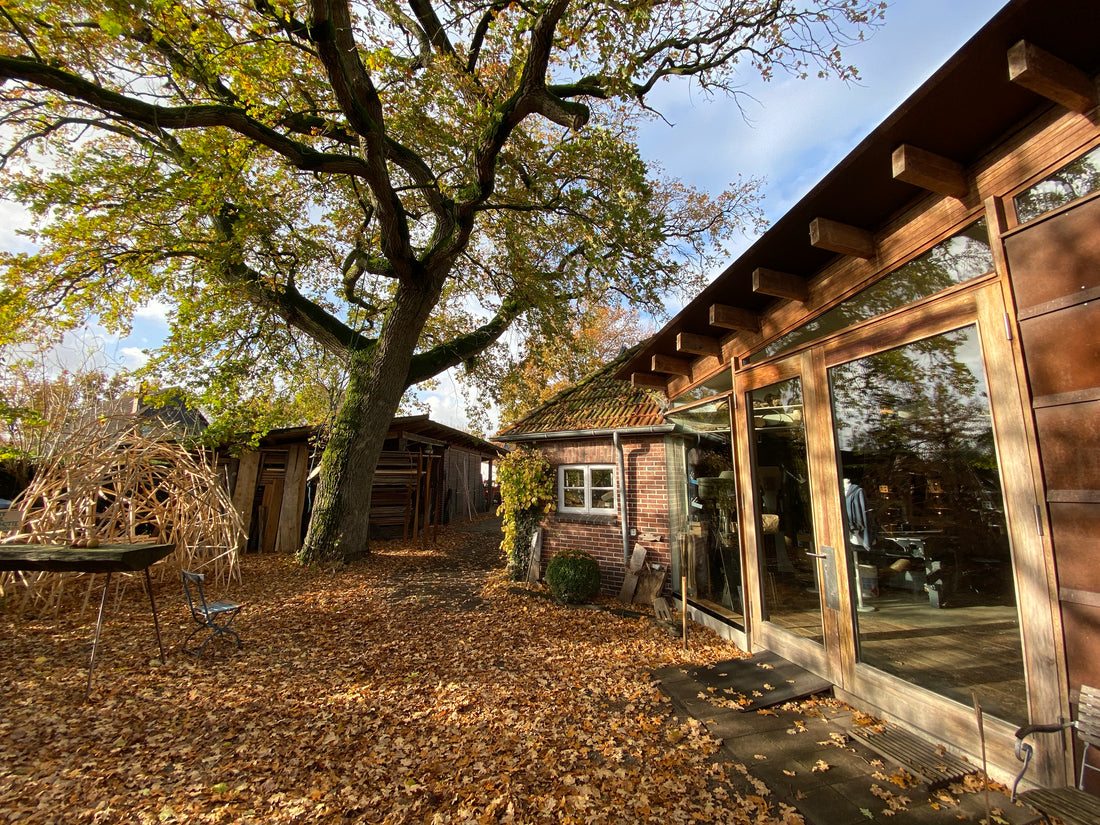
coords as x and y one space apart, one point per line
155 311
132 357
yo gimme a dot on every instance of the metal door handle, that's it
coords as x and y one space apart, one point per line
816 555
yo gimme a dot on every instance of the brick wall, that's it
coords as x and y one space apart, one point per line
647 505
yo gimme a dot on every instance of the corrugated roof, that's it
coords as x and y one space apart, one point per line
598 402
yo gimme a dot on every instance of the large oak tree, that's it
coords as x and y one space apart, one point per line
390 183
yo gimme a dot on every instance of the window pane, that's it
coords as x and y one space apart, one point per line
956 260
603 499
926 522
1072 181
720 383
573 477
601 477
573 498
785 530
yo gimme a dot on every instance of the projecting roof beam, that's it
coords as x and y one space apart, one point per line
930 171
780 284
728 317
1051 77
841 237
672 365
649 381
694 344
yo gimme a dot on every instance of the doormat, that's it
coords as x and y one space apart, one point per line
760 681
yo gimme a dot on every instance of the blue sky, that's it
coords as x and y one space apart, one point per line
789 132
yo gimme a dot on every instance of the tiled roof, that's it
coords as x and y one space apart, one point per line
597 402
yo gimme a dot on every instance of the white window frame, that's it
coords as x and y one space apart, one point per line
588 509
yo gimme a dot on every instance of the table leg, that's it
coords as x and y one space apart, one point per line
95 641
153 604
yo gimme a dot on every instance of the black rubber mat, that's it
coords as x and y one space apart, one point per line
760 681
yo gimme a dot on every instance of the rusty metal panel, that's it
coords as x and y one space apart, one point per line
1069 439
1076 531
1062 350
1057 257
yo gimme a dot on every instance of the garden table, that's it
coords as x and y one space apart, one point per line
113 558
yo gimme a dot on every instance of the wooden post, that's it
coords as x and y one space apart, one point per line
684 587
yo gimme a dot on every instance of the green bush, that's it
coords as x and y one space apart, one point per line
573 576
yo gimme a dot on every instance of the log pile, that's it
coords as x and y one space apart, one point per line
127 480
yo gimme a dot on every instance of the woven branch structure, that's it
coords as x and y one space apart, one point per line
128 480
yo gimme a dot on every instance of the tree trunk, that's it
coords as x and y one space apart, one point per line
377 378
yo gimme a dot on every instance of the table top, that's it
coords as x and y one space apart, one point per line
111 558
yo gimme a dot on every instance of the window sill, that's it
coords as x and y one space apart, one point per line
586 518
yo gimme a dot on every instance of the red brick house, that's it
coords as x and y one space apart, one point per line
608 443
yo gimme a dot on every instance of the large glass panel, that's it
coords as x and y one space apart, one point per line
1074 180
788 573
709 536
926 522
960 258
715 385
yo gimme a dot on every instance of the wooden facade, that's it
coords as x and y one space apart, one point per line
428 474
1013 114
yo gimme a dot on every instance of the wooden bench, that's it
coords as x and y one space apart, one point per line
1071 805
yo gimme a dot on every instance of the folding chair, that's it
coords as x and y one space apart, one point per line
213 616
1072 805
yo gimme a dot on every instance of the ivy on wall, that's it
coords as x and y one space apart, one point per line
526 495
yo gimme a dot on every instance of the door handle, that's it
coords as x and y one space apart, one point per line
816 555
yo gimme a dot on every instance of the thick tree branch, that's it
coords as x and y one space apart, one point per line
156 118
451 353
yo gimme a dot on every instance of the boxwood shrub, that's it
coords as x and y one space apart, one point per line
573 576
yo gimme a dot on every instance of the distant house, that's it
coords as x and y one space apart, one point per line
429 474
610 448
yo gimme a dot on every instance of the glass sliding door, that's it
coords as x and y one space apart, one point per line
788 572
709 534
925 522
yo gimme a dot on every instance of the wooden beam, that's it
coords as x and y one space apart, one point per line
728 317
780 284
672 365
930 171
694 344
1051 77
647 380
841 237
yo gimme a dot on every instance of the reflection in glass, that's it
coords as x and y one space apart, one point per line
785 527
603 489
716 385
927 528
710 534
960 258
1074 180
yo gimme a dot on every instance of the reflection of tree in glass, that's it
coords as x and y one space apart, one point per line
960 258
915 421
1072 181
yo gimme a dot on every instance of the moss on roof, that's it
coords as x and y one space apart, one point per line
597 402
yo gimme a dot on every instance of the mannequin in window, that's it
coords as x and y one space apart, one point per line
855 507
859 532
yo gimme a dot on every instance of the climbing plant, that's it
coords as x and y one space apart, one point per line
526 495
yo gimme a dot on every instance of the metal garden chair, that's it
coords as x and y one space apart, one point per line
1072 806
213 616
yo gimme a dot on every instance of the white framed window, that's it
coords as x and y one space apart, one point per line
587 488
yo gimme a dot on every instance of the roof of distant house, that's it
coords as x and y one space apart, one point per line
598 402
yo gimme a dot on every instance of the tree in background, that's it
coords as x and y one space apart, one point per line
380 185
589 338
